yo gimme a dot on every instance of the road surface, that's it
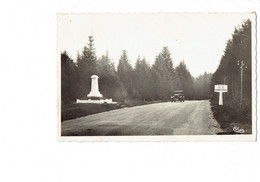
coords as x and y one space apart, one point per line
181 118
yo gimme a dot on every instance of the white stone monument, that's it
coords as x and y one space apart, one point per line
94 87
95 93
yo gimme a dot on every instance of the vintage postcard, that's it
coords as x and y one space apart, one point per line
156 77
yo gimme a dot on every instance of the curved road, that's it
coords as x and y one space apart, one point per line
181 118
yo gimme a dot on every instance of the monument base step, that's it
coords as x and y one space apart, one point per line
101 101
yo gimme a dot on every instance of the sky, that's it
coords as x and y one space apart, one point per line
198 39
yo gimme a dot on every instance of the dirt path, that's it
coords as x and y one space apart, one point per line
188 118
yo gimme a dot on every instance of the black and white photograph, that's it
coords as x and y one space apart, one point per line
170 76
129 91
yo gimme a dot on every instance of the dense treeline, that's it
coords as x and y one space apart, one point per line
202 86
142 82
234 70
237 52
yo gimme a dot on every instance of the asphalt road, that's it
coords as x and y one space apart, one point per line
181 118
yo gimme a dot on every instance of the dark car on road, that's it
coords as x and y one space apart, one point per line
178 95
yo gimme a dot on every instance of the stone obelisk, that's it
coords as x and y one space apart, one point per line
94 87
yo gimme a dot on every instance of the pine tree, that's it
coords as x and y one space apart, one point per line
125 73
163 75
68 71
142 80
108 79
87 66
186 80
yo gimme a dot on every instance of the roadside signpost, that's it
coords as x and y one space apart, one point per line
221 88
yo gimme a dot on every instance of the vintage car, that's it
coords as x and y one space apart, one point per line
178 96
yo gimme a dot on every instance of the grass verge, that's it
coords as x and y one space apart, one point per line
73 110
232 120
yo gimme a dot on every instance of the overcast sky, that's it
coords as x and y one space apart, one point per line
198 39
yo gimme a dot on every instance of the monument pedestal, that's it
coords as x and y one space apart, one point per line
94 87
101 101
95 93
